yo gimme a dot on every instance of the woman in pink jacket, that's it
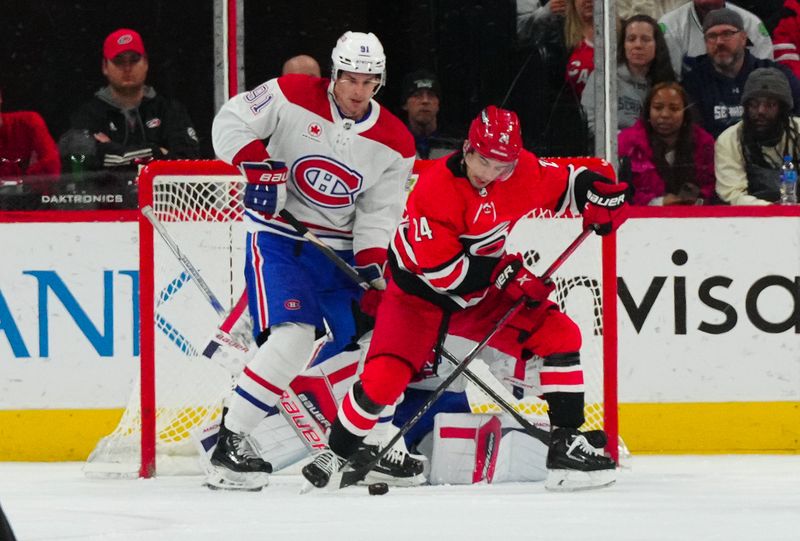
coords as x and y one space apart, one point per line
671 158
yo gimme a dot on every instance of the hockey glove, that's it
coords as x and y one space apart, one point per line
515 280
606 208
373 274
266 186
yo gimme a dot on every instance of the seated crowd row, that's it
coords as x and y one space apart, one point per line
705 114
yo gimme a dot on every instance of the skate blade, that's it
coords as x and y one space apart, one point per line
575 480
378 477
332 486
225 479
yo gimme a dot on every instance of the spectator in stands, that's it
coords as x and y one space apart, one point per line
543 97
715 83
654 8
421 98
642 61
748 156
684 30
579 37
531 11
302 64
26 147
671 159
787 36
126 122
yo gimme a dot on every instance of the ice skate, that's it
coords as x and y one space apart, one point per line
321 470
235 465
573 463
397 468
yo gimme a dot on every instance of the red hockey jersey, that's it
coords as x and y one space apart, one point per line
453 235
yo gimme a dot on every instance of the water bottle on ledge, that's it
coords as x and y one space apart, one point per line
788 182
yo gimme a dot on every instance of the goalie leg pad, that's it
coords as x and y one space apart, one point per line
274 366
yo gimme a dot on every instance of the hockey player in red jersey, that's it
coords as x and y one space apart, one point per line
444 260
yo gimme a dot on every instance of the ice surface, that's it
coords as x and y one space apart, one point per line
657 498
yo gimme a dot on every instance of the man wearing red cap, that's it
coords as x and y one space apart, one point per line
126 122
445 260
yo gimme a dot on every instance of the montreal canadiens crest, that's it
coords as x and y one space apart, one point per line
326 182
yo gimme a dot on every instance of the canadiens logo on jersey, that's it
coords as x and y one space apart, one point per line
325 182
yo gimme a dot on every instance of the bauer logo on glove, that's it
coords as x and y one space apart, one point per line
266 186
606 208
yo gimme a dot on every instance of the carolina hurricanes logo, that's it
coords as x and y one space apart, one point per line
326 182
489 244
153 123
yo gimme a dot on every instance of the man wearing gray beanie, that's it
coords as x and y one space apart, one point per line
748 156
716 82
684 33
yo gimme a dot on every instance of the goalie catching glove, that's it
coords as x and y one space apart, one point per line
512 277
606 207
266 186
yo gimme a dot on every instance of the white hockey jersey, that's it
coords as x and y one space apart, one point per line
347 178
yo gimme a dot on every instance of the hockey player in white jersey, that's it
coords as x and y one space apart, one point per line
338 162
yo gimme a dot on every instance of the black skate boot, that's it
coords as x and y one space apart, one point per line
236 465
576 464
396 468
319 471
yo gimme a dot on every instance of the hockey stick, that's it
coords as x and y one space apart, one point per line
532 430
352 273
289 406
201 284
358 472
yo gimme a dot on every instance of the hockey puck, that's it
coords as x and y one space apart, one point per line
378 489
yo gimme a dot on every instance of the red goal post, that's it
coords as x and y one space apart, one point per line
199 203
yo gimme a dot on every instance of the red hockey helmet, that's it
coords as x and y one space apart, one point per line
495 134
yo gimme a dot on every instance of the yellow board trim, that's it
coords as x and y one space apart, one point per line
712 428
53 435
704 428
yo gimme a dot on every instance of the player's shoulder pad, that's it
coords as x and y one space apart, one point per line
390 131
308 92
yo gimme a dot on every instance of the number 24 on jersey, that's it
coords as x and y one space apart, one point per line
422 229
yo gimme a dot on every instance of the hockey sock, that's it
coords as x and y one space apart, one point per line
276 363
384 429
562 384
357 416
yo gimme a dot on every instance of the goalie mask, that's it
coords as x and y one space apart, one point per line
495 134
358 52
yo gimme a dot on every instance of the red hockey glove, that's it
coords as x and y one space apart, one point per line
606 208
512 277
266 186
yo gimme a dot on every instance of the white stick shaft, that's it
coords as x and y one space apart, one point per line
148 213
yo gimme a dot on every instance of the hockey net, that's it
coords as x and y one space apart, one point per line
199 204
